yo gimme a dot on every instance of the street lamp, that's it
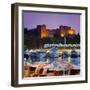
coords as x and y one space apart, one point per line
63 36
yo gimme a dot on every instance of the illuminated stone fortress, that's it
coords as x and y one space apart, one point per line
62 31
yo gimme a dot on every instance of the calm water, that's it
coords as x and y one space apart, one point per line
74 61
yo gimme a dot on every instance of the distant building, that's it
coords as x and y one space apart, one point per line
43 31
33 38
66 30
62 31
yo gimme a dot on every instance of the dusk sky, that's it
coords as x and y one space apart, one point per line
51 20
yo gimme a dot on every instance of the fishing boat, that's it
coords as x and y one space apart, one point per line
74 53
64 54
54 52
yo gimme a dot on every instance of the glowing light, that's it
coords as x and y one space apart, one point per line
69 60
43 34
48 51
71 32
60 52
62 35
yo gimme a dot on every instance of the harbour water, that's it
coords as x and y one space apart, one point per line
75 61
52 62
41 57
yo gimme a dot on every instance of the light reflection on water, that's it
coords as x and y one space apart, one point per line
74 61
